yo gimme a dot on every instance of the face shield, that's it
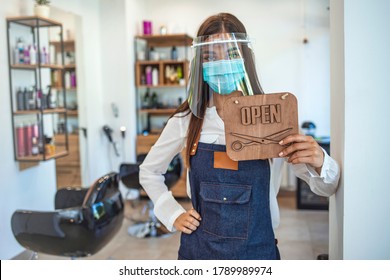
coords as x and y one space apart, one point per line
221 63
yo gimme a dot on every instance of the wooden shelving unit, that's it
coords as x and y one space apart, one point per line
165 83
36 66
167 111
73 113
161 65
33 121
166 40
68 169
40 157
34 21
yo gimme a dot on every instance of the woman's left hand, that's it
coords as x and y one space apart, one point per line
302 149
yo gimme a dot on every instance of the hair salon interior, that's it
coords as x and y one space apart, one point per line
87 87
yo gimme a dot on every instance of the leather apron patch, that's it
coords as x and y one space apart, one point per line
222 161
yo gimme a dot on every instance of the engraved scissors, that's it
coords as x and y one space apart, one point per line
238 145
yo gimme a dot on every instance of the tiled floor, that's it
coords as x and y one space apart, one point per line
302 234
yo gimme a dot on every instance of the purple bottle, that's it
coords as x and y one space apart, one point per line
73 79
26 55
44 56
147 27
148 74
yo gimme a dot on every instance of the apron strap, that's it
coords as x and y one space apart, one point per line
194 147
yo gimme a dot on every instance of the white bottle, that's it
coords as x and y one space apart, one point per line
44 56
155 77
34 148
16 55
53 99
33 55
20 47
67 79
52 54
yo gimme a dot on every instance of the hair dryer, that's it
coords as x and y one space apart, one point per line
108 131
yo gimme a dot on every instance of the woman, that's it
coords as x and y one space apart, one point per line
234 212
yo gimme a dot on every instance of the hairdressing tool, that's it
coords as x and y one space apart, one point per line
238 145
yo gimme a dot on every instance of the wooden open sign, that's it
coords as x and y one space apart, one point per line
254 125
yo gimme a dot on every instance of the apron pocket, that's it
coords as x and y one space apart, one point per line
225 209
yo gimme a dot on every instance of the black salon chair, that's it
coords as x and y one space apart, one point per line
129 175
84 221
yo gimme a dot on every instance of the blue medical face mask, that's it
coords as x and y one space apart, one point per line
224 76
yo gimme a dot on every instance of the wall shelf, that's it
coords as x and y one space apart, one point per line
45 111
36 66
68 169
42 158
34 21
167 40
34 114
73 113
158 111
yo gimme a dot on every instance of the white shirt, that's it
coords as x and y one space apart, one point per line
173 140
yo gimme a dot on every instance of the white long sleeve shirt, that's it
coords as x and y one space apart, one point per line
173 140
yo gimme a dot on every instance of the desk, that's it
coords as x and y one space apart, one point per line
144 143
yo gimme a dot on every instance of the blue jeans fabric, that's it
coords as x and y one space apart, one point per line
234 206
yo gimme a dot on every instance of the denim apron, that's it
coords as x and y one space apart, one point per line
234 206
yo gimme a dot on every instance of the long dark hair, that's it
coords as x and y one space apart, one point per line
220 23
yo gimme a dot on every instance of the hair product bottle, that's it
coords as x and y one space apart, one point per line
155 77
31 99
174 55
16 54
20 141
73 79
28 134
34 147
146 99
143 79
33 55
19 100
153 54
147 27
20 47
52 54
67 79
148 74
26 55
38 96
154 100
40 136
44 56
35 139
25 99
51 99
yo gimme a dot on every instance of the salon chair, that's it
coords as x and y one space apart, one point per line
129 175
83 222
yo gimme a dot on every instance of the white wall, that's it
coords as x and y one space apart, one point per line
117 69
30 189
35 188
360 128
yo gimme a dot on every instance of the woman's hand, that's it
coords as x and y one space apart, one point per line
302 149
187 222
